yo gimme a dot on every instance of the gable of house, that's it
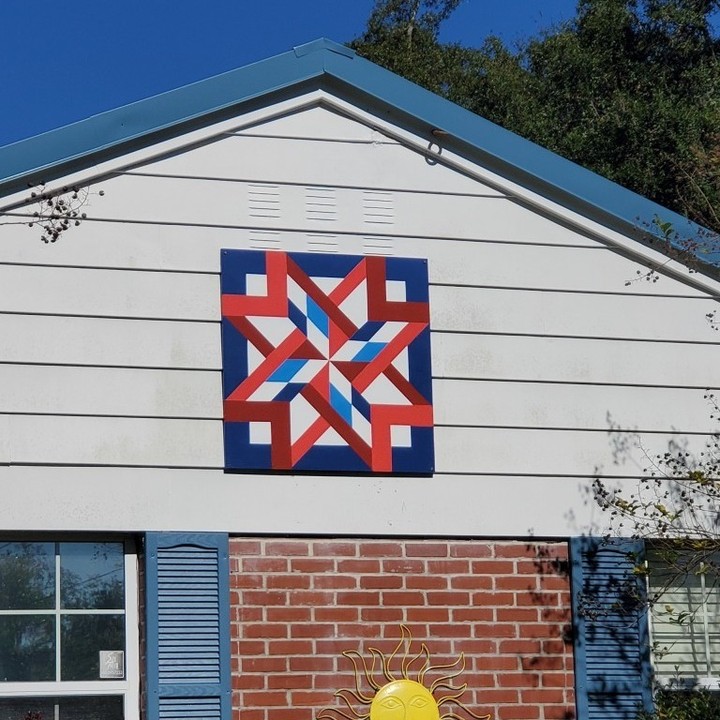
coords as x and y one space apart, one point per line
553 360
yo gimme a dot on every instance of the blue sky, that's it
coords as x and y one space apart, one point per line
61 62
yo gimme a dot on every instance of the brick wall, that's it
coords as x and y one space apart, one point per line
296 604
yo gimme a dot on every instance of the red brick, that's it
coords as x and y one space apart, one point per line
556 680
516 614
448 567
514 712
455 630
426 614
265 630
403 566
555 662
312 565
555 615
249 647
560 713
290 647
247 580
264 565
250 714
334 549
247 614
427 549
312 630
473 614
288 614
471 582
381 582
518 680
552 647
311 597
288 582
247 681
498 630
516 583
264 664
381 614
490 697
265 698
553 583
525 647
364 630
285 548
262 598
380 549
308 697
358 598
493 598
470 549
289 681
311 664
515 550
287 713
538 599
545 696
477 647
334 582
331 647
336 614
401 598
448 598
536 630
358 566
493 567
497 662
425 582
244 547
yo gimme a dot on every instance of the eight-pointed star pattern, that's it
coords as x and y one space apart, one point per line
326 363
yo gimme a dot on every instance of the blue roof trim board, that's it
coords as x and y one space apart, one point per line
325 64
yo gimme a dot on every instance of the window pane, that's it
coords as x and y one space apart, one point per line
91 708
71 708
91 576
27 708
27 648
83 637
27 576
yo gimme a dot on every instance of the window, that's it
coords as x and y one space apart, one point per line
68 640
685 620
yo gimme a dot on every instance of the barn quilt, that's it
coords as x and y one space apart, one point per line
326 363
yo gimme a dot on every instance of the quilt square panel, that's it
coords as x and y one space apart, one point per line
326 363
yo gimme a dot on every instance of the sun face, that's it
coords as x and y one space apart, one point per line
404 700
402 694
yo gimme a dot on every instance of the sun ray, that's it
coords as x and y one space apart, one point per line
444 679
351 655
387 692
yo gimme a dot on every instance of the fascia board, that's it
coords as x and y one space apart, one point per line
517 159
98 138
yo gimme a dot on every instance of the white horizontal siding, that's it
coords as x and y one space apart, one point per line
479 261
62 440
128 392
185 345
213 202
575 360
372 163
195 296
102 341
135 499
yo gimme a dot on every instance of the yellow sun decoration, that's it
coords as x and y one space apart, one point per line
403 695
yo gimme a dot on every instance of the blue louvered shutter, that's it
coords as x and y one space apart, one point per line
613 677
188 626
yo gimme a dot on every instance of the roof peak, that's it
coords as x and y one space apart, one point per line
322 44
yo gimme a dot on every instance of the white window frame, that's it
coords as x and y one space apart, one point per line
129 687
709 681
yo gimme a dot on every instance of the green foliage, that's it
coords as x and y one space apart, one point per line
694 704
628 88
